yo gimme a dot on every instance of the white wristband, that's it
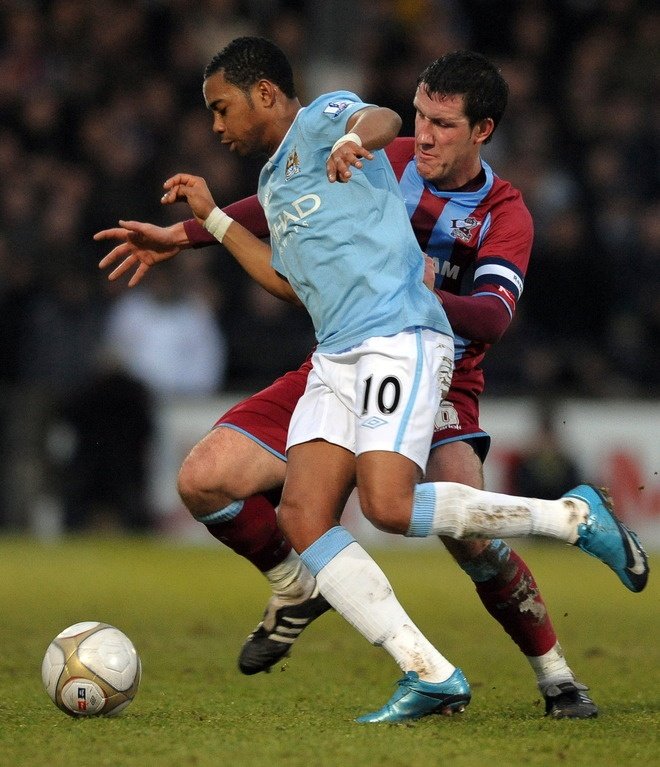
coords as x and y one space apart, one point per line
343 139
217 223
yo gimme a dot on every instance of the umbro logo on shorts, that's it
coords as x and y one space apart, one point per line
373 422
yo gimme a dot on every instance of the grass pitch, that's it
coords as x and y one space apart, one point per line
188 609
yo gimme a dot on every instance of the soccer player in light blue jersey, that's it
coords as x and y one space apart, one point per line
381 367
348 250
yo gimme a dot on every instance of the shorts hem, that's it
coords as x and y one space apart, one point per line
481 438
259 442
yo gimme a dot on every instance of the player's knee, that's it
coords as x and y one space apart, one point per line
196 482
465 550
391 515
484 561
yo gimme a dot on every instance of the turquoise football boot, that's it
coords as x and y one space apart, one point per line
415 698
603 536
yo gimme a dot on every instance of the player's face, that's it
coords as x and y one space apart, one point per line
236 118
446 147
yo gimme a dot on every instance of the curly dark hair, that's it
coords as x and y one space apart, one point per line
246 60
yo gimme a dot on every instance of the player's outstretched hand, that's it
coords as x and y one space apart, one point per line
141 246
338 165
193 190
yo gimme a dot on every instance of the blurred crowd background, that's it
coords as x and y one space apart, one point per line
100 101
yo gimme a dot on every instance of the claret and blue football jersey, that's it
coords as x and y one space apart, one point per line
480 240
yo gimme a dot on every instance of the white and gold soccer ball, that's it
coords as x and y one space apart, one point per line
91 669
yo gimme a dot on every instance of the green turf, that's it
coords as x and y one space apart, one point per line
188 609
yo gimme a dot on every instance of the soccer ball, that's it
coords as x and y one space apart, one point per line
91 669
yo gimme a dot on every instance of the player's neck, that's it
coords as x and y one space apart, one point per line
474 183
282 124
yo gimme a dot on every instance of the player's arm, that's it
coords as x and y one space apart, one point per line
486 312
142 245
369 129
248 212
250 252
480 316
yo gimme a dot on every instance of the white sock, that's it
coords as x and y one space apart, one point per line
551 668
291 581
359 591
459 511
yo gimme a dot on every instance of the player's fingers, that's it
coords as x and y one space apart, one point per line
177 192
120 251
362 152
125 265
344 168
330 169
134 226
337 169
179 179
110 234
139 274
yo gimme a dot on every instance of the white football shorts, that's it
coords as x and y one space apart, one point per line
381 395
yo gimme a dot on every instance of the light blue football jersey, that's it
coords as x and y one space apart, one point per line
347 249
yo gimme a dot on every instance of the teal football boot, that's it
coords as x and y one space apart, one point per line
603 536
415 698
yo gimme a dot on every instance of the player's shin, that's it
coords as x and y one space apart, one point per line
357 588
509 592
250 529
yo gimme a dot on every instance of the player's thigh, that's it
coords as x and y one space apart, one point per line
319 478
266 415
230 461
245 453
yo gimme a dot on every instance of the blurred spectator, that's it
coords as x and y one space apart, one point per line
61 333
167 336
282 333
544 469
99 443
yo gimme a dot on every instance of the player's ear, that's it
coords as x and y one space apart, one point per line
483 130
267 92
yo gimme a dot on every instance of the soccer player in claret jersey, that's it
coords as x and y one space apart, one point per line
459 228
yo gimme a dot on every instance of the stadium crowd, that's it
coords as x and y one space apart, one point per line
101 101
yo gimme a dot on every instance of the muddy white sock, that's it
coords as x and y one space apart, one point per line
459 511
358 589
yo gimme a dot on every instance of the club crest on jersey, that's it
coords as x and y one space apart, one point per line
292 165
461 228
335 108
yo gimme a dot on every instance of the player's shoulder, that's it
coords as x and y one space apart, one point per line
505 199
332 105
504 192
